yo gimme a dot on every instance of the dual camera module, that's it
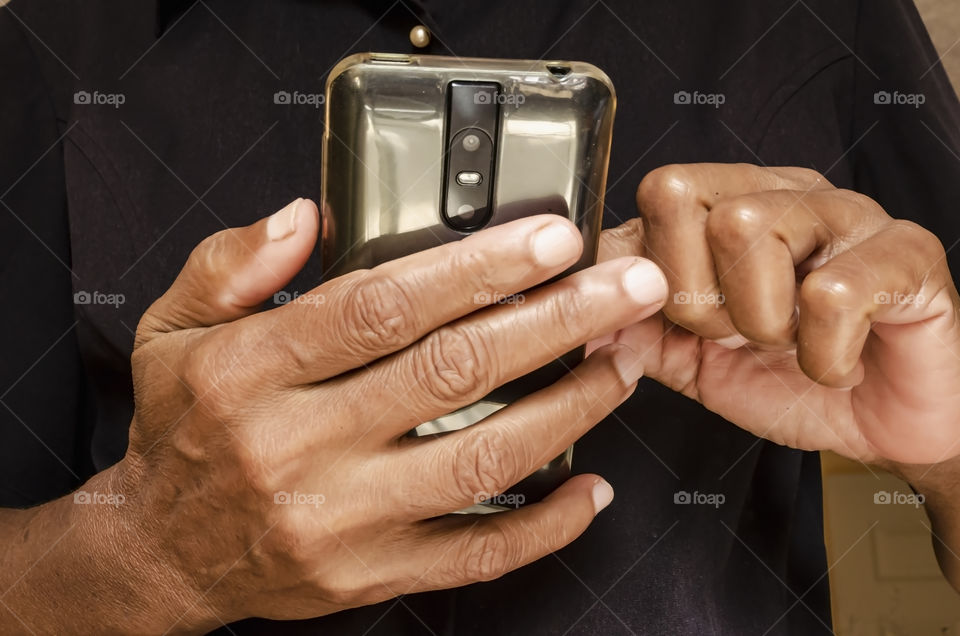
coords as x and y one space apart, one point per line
473 119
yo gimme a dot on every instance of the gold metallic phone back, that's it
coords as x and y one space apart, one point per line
384 161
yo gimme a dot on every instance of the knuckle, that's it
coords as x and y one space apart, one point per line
486 463
250 463
457 363
206 376
209 253
490 554
148 327
863 205
262 344
798 178
663 183
347 591
737 221
827 292
926 241
317 558
198 372
378 312
293 541
690 315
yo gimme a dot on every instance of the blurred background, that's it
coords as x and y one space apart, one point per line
942 18
884 578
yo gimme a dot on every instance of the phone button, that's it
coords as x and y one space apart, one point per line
469 178
390 58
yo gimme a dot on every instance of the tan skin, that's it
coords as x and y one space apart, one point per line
862 357
234 405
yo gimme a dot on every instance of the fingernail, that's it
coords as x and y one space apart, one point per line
555 245
602 495
628 364
282 224
645 283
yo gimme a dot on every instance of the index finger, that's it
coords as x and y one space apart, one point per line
352 320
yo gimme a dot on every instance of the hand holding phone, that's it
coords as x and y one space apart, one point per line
422 150
293 421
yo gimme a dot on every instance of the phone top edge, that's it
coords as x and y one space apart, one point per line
468 64
346 63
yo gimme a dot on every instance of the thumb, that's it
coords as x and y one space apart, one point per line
230 273
623 240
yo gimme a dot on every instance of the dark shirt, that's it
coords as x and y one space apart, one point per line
110 199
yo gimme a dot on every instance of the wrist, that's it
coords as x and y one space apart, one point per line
82 564
939 483
161 591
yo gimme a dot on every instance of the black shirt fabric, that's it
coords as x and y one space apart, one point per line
109 198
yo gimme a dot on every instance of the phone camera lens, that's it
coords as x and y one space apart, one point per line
471 143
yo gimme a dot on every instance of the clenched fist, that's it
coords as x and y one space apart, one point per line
800 312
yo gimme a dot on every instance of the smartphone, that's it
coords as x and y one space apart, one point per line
420 150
